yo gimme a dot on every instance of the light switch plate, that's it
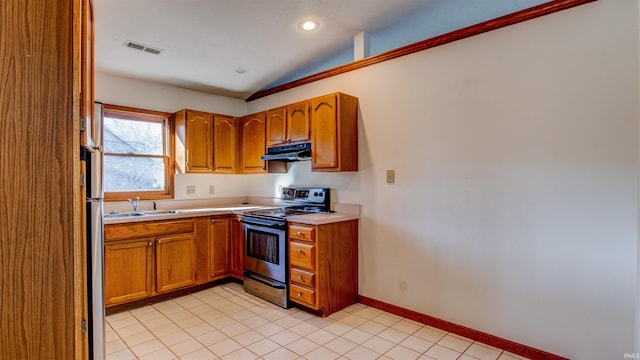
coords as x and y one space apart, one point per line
212 190
191 189
391 176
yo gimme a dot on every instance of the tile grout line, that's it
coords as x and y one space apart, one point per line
349 318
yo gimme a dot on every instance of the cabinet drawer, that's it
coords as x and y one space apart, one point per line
302 233
302 255
303 295
147 228
303 277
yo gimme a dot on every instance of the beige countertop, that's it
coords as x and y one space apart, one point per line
311 219
322 218
181 213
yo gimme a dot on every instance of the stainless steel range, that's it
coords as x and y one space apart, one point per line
266 259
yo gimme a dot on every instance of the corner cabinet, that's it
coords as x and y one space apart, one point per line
194 141
323 265
147 258
334 133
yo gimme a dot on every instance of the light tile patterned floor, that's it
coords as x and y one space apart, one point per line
226 323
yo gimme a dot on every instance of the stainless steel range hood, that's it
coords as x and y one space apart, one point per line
288 153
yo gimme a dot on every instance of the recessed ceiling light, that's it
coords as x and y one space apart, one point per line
308 25
241 70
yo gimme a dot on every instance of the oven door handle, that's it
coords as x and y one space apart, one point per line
275 285
271 224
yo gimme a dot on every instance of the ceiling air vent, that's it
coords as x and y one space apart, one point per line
142 47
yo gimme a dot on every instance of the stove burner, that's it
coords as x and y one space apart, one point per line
297 201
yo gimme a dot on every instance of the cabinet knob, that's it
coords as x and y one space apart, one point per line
299 277
299 251
299 294
299 233
213 221
159 241
333 164
150 243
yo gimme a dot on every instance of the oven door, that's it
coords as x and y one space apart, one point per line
266 251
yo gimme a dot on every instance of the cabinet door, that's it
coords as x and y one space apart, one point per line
86 75
219 246
298 122
325 132
175 262
237 248
276 126
199 141
225 147
252 143
128 269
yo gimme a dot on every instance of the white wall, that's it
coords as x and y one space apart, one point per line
514 210
118 90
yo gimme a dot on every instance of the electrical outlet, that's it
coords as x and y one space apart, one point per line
391 176
191 189
279 190
212 190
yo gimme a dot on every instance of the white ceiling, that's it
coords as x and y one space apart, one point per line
206 41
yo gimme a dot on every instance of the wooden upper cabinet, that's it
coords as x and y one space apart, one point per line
225 144
86 75
288 124
252 143
276 126
298 122
194 141
334 129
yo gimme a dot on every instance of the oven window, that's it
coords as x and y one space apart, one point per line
262 245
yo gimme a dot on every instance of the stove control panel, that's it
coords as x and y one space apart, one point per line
305 194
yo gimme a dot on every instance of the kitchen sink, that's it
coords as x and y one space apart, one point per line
160 212
139 213
124 214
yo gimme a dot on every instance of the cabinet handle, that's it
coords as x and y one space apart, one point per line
299 251
299 277
299 294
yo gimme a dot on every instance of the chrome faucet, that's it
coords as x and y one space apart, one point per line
135 204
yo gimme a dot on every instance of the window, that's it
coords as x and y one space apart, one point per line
137 153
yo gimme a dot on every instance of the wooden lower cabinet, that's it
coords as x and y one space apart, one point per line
323 271
219 244
237 248
175 262
128 270
147 258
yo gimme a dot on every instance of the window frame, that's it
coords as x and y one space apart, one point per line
130 113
